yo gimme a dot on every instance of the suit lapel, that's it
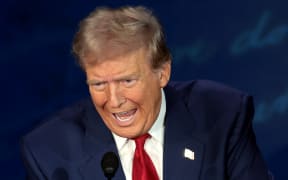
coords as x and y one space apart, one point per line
179 135
97 141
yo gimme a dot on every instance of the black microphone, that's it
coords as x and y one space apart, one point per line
109 164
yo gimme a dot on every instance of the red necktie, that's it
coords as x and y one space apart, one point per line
143 168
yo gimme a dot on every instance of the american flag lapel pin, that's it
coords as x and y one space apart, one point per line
189 154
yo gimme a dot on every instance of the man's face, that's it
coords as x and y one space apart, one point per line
126 92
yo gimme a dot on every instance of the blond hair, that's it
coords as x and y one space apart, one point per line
108 32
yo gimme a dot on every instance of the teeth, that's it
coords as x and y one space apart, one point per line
122 113
124 116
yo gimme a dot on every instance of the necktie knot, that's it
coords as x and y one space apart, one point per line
140 141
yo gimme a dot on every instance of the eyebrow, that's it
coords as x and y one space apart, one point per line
94 81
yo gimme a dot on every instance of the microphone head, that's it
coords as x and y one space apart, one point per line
109 164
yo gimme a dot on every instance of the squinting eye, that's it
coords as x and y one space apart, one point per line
129 82
99 86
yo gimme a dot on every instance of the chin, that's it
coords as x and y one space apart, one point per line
127 134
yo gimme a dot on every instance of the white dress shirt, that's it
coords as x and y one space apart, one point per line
153 146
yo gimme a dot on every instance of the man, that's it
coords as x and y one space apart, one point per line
193 130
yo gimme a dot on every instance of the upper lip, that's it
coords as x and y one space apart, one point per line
123 111
118 113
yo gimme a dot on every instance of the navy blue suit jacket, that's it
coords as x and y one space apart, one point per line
212 120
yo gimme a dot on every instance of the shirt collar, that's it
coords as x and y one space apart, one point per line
156 131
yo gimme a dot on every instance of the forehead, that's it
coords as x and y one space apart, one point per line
132 62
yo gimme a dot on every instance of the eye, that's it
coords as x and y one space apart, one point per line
128 82
99 86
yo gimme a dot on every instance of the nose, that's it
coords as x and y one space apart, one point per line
115 96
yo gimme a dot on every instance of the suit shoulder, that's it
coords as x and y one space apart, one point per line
208 90
64 124
203 87
209 95
213 104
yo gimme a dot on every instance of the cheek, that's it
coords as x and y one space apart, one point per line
98 99
137 96
145 95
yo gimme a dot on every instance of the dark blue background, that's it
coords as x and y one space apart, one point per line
240 43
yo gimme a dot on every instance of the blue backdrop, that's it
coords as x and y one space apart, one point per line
240 43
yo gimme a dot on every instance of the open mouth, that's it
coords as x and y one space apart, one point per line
125 117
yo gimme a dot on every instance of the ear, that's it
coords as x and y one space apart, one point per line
164 74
